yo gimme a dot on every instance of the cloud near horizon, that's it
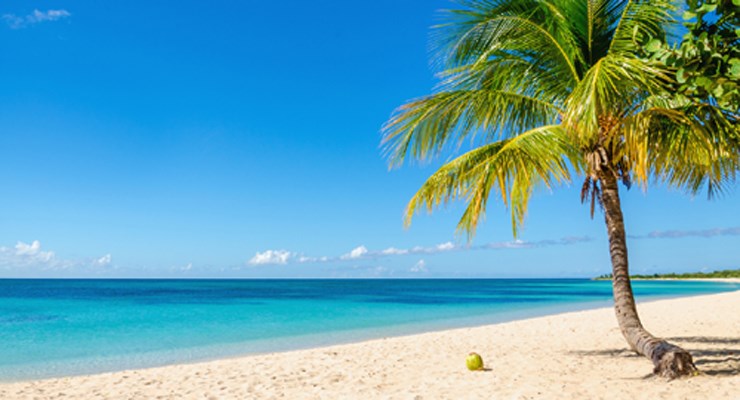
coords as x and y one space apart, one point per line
28 256
419 267
676 234
283 257
17 22
104 260
357 252
271 257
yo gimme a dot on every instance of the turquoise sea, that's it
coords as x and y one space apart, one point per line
67 327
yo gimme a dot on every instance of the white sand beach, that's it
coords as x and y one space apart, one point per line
578 355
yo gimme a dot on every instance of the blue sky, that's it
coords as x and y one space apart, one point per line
241 139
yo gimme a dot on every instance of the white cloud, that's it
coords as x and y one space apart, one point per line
104 260
282 257
28 257
705 233
419 267
49 15
362 252
447 246
516 244
13 21
439 248
271 257
24 248
32 252
18 22
521 244
187 267
356 253
392 251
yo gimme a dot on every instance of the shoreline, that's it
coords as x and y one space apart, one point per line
312 341
578 354
718 280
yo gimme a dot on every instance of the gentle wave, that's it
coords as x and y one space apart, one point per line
68 327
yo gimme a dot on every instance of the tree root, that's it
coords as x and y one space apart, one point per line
673 362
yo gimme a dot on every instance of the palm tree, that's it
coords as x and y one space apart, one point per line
547 89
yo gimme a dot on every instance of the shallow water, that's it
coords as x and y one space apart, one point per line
68 327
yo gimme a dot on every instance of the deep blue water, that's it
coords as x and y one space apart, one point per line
66 327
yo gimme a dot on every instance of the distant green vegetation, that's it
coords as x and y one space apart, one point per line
727 273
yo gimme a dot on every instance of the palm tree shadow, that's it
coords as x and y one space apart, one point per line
714 356
607 353
706 339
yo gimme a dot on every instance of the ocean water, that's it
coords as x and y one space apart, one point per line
54 328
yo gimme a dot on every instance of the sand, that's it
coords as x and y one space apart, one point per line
579 355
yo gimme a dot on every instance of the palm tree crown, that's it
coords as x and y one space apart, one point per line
549 88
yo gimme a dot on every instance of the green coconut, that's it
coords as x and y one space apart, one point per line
474 362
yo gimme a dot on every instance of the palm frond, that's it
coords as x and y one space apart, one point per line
511 73
423 127
512 167
593 23
613 87
640 21
476 33
692 147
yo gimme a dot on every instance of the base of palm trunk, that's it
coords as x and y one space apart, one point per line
672 361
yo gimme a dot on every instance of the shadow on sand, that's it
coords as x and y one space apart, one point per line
714 356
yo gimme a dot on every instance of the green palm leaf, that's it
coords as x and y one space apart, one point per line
615 86
691 147
528 27
422 128
641 20
513 167
510 66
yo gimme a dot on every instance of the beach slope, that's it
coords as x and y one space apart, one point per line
578 355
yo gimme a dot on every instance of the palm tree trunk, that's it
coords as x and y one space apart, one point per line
670 360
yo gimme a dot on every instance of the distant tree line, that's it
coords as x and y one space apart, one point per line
727 273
